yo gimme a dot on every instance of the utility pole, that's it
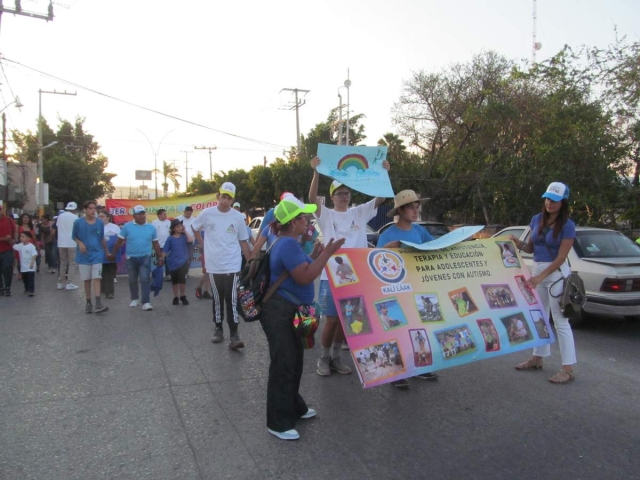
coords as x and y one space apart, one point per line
5 167
347 84
19 11
212 148
298 103
41 147
186 168
340 122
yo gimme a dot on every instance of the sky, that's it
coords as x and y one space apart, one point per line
207 69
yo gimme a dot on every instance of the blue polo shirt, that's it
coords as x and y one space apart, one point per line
139 238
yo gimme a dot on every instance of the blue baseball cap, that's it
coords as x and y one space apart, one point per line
556 191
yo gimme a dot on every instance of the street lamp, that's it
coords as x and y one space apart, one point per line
347 84
41 189
155 155
4 170
340 126
16 101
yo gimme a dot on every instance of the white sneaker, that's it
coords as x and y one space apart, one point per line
115 280
147 306
71 286
59 286
134 303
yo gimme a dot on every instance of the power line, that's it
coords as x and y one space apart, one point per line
126 102
272 149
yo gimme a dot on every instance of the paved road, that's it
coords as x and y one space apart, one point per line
133 394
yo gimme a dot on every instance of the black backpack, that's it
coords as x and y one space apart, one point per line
256 278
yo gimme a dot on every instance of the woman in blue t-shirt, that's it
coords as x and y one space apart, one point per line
551 239
284 404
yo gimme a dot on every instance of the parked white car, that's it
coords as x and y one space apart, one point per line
609 264
255 226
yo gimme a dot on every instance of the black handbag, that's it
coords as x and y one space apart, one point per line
573 295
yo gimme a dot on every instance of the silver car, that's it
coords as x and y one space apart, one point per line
609 264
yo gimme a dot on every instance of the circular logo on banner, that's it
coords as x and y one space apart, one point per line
387 266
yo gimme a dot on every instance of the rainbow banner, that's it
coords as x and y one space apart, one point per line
407 312
122 209
359 168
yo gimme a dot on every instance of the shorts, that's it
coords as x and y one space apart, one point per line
179 275
327 305
90 272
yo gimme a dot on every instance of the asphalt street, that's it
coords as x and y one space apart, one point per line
133 395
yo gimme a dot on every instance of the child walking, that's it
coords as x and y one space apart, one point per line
27 252
176 254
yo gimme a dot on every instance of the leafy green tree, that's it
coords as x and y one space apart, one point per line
618 70
492 137
201 186
260 186
74 168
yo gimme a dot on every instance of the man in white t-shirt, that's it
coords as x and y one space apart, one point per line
187 219
225 242
163 230
66 247
338 222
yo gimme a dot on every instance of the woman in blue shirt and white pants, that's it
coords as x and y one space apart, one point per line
551 239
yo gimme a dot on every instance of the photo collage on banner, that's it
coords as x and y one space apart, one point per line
407 311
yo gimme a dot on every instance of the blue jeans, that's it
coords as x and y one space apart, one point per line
139 267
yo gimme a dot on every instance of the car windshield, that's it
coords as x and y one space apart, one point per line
604 244
438 230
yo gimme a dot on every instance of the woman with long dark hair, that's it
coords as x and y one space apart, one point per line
551 239
286 351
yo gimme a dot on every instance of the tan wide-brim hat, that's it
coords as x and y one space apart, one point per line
403 198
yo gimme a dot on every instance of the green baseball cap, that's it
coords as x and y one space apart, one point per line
290 207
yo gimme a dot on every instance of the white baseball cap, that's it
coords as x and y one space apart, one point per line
228 188
71 206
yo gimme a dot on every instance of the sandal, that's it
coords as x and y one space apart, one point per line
562 377
531 364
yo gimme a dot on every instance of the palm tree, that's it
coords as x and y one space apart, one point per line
396 148
169 172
